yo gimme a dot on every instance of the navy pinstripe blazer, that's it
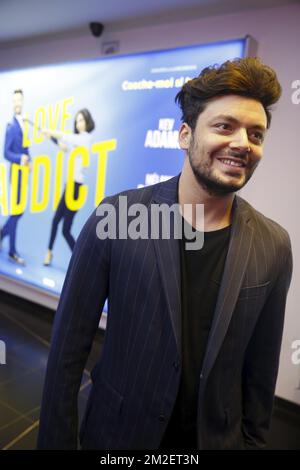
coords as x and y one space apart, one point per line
135 382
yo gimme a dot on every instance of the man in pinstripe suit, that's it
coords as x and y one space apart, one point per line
193 338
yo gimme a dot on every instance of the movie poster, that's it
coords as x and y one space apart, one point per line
71 134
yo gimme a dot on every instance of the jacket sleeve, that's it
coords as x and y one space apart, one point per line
262 360
9 154
76 322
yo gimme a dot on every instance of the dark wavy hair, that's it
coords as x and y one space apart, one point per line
89 122
247 77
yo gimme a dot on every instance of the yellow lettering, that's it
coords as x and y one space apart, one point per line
102 148
71 203
3 190
15 201
40 184
39 122
26 141
58 179
19 176
53 116
65 114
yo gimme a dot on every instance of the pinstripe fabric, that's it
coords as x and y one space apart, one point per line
135 382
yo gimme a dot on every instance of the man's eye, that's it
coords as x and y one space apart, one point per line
258 136
224 126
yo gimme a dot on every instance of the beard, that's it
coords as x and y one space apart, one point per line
206 177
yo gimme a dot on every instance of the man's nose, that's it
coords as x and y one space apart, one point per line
240 140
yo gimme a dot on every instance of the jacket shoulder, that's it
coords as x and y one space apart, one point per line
139 195
268 227
12 126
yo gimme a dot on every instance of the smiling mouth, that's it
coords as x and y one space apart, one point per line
233 162
233 165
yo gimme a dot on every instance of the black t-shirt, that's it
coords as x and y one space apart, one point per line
201 274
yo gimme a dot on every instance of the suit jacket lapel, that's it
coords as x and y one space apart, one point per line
168 259
234 270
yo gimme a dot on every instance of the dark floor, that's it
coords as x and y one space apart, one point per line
25 328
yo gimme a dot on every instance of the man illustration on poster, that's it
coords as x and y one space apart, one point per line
16 153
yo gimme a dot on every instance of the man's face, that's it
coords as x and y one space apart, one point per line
227 143
17 103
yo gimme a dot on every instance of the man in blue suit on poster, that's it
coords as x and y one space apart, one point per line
15 153
193 337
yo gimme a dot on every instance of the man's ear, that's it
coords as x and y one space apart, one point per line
184 136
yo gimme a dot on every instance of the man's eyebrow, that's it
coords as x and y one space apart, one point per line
228 117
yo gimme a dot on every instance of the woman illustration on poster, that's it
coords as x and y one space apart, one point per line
83 126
